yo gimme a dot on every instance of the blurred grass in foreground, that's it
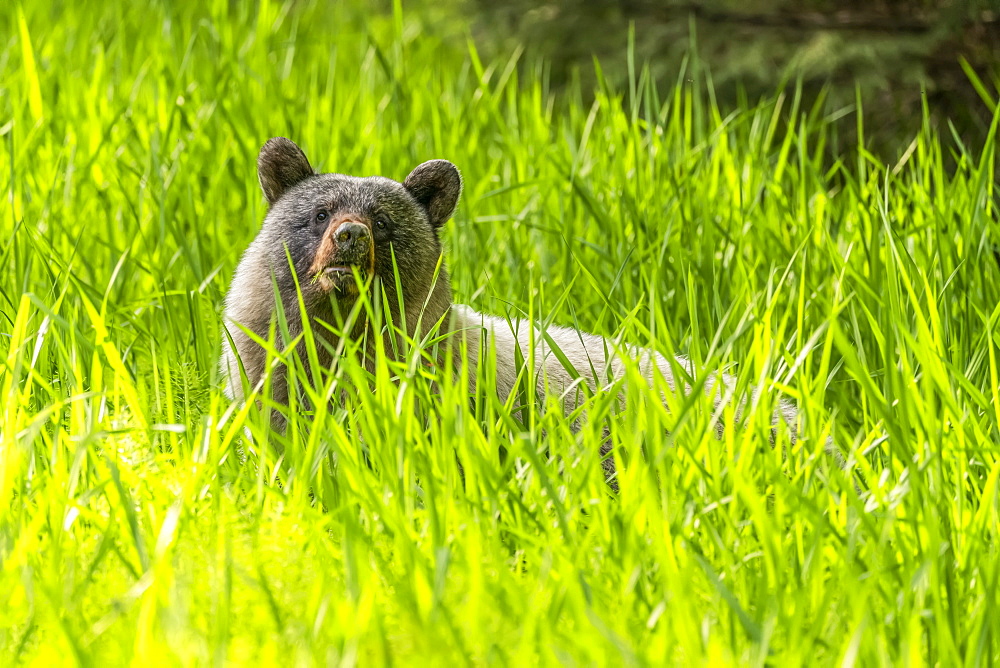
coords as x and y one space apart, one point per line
130 530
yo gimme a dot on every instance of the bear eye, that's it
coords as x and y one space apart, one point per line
321 216
382 221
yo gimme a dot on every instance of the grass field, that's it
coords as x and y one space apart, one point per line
144 519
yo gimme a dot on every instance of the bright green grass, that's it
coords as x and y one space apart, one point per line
130 531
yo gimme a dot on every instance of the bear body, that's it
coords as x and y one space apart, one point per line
321 229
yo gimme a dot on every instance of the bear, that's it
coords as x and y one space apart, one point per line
324 235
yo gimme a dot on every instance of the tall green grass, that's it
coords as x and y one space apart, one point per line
145 519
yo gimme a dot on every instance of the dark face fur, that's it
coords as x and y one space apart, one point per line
336 226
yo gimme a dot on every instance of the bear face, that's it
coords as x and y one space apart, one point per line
325 237
344 231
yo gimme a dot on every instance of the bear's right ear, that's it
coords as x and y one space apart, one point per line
280 165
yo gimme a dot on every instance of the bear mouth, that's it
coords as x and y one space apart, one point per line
341 269
340 278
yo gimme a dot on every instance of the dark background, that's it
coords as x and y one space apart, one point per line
894 55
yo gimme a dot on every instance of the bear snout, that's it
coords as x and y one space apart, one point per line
352 238
346 243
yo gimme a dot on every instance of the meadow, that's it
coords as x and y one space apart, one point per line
146 519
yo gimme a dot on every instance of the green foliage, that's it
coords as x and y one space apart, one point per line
143 518
897 53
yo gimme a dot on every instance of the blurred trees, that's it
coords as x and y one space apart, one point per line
894 51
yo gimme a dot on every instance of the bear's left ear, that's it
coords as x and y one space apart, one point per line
436 184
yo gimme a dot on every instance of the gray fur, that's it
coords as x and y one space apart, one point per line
418 207
597 362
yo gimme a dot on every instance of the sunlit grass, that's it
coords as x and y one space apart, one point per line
143 518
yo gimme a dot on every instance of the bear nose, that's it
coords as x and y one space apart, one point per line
351 235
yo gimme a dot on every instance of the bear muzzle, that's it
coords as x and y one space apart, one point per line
346 246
